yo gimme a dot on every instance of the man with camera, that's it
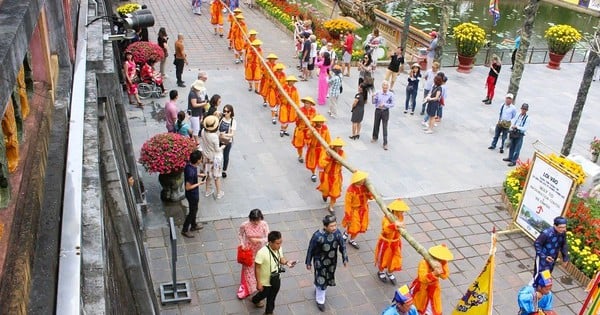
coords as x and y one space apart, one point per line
507 112
268 266
518 128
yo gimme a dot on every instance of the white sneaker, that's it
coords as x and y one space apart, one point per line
425 127
209 193
424 124
435 125
428 131
220 194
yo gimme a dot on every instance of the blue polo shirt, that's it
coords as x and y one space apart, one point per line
190 174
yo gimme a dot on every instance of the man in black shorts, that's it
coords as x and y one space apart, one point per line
305 55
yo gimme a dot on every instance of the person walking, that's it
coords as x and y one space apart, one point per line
330 177
305 56
315 149
518 128
287 114
274 95
507 114
426 288
253 69
162 40
300 139
428 77
324 64
402 304
383 101
252 235
129 69
180 60
268 268
396 65
227 127
492 78
216 17
238 34
322 254
412 88
358 110
431 49
356 207
548 244
537 297
388 251
265 79
213 156
335 90
171 111
433 103
348 49
197 101
192 194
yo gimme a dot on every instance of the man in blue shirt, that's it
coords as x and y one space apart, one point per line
192 194
531 299
383 101
547 245
402 303
518 128
507 114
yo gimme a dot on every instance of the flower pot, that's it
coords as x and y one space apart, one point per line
172 186
595 157
555 60
465 64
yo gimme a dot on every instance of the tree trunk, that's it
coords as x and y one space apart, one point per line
526 31
584 87
444 23
406 29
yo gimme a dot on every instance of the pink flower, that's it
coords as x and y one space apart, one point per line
166 153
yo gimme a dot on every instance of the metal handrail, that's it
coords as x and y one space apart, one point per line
533 56
68 296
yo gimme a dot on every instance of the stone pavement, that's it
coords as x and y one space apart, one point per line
451 169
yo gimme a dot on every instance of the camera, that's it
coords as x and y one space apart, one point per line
281 269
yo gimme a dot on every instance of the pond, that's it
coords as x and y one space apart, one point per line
511 19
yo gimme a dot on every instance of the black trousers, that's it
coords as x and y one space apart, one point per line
270 293
381 117
179 63
190 219
226 156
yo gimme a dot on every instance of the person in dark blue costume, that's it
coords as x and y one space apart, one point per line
548 244
536 297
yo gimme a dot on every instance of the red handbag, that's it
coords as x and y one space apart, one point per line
244 256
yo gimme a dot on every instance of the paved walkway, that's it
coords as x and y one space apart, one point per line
450 177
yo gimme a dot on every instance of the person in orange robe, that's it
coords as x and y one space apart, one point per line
253 70
265 81
330 178
315 149
426 288
356 208
238 37
230 19
388 252
299 141
216 17
287 114
273 94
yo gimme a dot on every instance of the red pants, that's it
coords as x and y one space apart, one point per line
491 85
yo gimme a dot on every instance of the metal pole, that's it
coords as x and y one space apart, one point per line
173 253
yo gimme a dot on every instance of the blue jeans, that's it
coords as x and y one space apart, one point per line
515 148
497 133
226 151
411 96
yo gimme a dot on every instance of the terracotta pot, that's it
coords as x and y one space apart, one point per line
555 60
465 64
172 186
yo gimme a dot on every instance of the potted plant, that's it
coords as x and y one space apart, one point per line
561 38
143 51
167 154
338 27
469 38
128 8
595 149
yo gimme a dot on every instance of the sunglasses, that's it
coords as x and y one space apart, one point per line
226 111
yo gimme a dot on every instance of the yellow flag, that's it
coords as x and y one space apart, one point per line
478 299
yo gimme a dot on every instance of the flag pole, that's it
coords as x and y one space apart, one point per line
594 289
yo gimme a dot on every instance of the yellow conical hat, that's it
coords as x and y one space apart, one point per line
257 42
308 99
337 142
291 78
272 56
318 118
358 176
398 205
279 66
441 252
252 32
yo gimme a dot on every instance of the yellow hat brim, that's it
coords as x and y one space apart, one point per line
257 42
441 252
272 56
252 32
291 78
358 176
398 205
308 99
279 66
318 118
337 142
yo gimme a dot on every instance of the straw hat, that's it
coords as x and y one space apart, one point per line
272 56
337 142
358 176
279 66
291 78
308 99
318 118
210 123
198 85
239 17
398 205
252 32
441 252
257 42
237 10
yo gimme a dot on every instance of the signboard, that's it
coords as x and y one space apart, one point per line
547 192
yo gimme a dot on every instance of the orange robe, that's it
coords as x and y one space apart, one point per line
426 288
265 81
231 25
315 149
300 132
273 95
253 70
238 35
356 209
216 18
286 113
388 252
330 177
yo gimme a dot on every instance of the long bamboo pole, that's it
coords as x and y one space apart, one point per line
382 206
